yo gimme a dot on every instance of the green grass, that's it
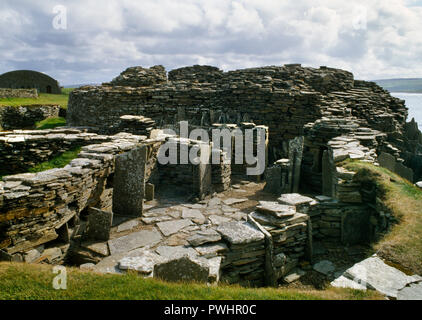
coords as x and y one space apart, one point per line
43 98
402 246
50 123
59 161
21 281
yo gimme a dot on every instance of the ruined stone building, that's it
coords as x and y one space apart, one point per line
313 120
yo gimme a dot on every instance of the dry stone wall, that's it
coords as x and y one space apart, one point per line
283 98
23 149
24 117
36 208
18 93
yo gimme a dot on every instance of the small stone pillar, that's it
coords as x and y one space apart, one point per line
149 192
99 224
129 182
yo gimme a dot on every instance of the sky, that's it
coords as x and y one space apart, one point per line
92 41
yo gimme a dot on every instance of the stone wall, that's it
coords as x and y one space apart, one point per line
196 73
24 117
283 98
21 150
37 208
18 93
140 77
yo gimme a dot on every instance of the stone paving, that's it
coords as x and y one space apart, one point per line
171 227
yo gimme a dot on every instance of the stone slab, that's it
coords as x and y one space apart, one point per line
171 227
325 267
231 201
194 214
183 268
343 282
128 225
134 240
143 263
240 233
276 209
129 182
205 236
171 252
294 199
375 274
412 291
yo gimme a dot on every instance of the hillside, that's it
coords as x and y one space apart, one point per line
413 85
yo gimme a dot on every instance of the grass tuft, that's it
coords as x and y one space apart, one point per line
50 123
59 161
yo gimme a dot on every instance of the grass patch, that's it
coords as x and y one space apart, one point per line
43 98
59 161
34 282
50 123
402 246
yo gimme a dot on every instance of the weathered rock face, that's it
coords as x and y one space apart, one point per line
26 116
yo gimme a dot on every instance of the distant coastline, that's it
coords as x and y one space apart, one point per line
404 85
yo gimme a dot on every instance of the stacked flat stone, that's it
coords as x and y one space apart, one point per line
284 98
289 232
196 73
137 125
277 177
21 117
221 172
18 93
21 150
141 77
36 208
244 263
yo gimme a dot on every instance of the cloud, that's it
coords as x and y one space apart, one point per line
373 39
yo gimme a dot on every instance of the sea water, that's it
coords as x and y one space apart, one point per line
414 103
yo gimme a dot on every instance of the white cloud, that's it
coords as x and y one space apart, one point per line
373 39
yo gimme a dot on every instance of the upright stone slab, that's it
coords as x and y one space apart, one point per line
129 182
295 157
356 227
183 268
387 161
404 171
202 173
99 224
327 175
273 180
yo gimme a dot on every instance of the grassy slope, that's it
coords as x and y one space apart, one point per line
43 98
28 281
402 246
59 161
